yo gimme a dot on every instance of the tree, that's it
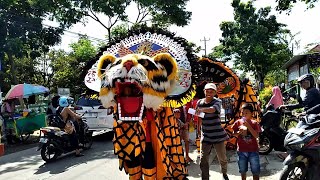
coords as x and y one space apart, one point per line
161 12
217 52
254 40
120 30
66 67
284 5
275 78
194 47
23 37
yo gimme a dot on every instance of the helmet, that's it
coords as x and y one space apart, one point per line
307 77
63 101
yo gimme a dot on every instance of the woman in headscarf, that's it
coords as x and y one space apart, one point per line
276 99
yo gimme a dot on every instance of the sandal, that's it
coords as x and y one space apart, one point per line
188 160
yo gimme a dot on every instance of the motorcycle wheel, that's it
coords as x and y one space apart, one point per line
49 152
88 141
294 171
265 145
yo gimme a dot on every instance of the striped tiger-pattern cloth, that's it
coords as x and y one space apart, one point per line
162 158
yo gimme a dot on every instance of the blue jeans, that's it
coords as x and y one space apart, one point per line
244 158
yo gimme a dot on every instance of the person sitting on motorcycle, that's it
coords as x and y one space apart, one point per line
276 100
71 119
311 102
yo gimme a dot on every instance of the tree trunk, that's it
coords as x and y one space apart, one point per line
109 34
13 70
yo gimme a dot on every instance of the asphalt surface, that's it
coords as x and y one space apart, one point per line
100 163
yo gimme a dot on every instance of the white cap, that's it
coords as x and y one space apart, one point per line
210 86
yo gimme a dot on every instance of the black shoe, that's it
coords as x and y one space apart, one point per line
225 177
79 155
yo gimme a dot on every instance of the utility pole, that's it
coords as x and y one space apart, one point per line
205 45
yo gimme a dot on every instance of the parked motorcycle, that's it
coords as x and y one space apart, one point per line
272 134
303 144
55 142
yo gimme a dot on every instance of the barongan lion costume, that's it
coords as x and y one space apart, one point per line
144 76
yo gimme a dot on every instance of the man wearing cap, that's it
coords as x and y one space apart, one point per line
212 133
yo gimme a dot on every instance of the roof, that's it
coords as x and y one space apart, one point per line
296 58
315 49
293 60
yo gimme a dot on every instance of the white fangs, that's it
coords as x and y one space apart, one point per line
130 118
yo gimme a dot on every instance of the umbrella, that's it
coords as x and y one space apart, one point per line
25 90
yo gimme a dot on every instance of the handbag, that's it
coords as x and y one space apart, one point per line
69 127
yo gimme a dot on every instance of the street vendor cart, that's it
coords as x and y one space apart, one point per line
22 117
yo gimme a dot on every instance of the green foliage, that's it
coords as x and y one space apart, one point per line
254 40
83 50
217 53
119 31
194 47
264 95
23 38
275 77
284 5
160 12
66 67
316 72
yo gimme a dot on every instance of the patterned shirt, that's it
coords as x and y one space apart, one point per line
212 131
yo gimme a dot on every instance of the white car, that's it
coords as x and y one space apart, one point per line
98 118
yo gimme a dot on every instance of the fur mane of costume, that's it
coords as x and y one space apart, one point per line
143 76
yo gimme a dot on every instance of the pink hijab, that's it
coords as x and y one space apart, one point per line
276 99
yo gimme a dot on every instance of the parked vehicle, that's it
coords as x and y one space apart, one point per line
272 134
54 141
98 117
303 144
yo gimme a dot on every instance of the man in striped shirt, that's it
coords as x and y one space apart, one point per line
212 133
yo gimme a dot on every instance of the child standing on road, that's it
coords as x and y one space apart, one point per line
247 131
184 133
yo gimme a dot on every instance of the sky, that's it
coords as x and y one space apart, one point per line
206 17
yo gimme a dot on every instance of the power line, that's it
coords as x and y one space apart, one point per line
78 34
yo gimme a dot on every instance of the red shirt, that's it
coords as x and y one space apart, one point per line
247 143
192 104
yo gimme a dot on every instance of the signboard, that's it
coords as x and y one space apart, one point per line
64 91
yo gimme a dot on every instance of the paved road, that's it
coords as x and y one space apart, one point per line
100 163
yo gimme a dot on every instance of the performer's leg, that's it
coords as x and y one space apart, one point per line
134 168
148 164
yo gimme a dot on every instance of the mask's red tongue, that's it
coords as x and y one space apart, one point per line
130 106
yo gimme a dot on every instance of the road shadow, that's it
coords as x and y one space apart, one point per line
270 164
68 161
102 148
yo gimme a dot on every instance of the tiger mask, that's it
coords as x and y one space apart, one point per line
135 81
